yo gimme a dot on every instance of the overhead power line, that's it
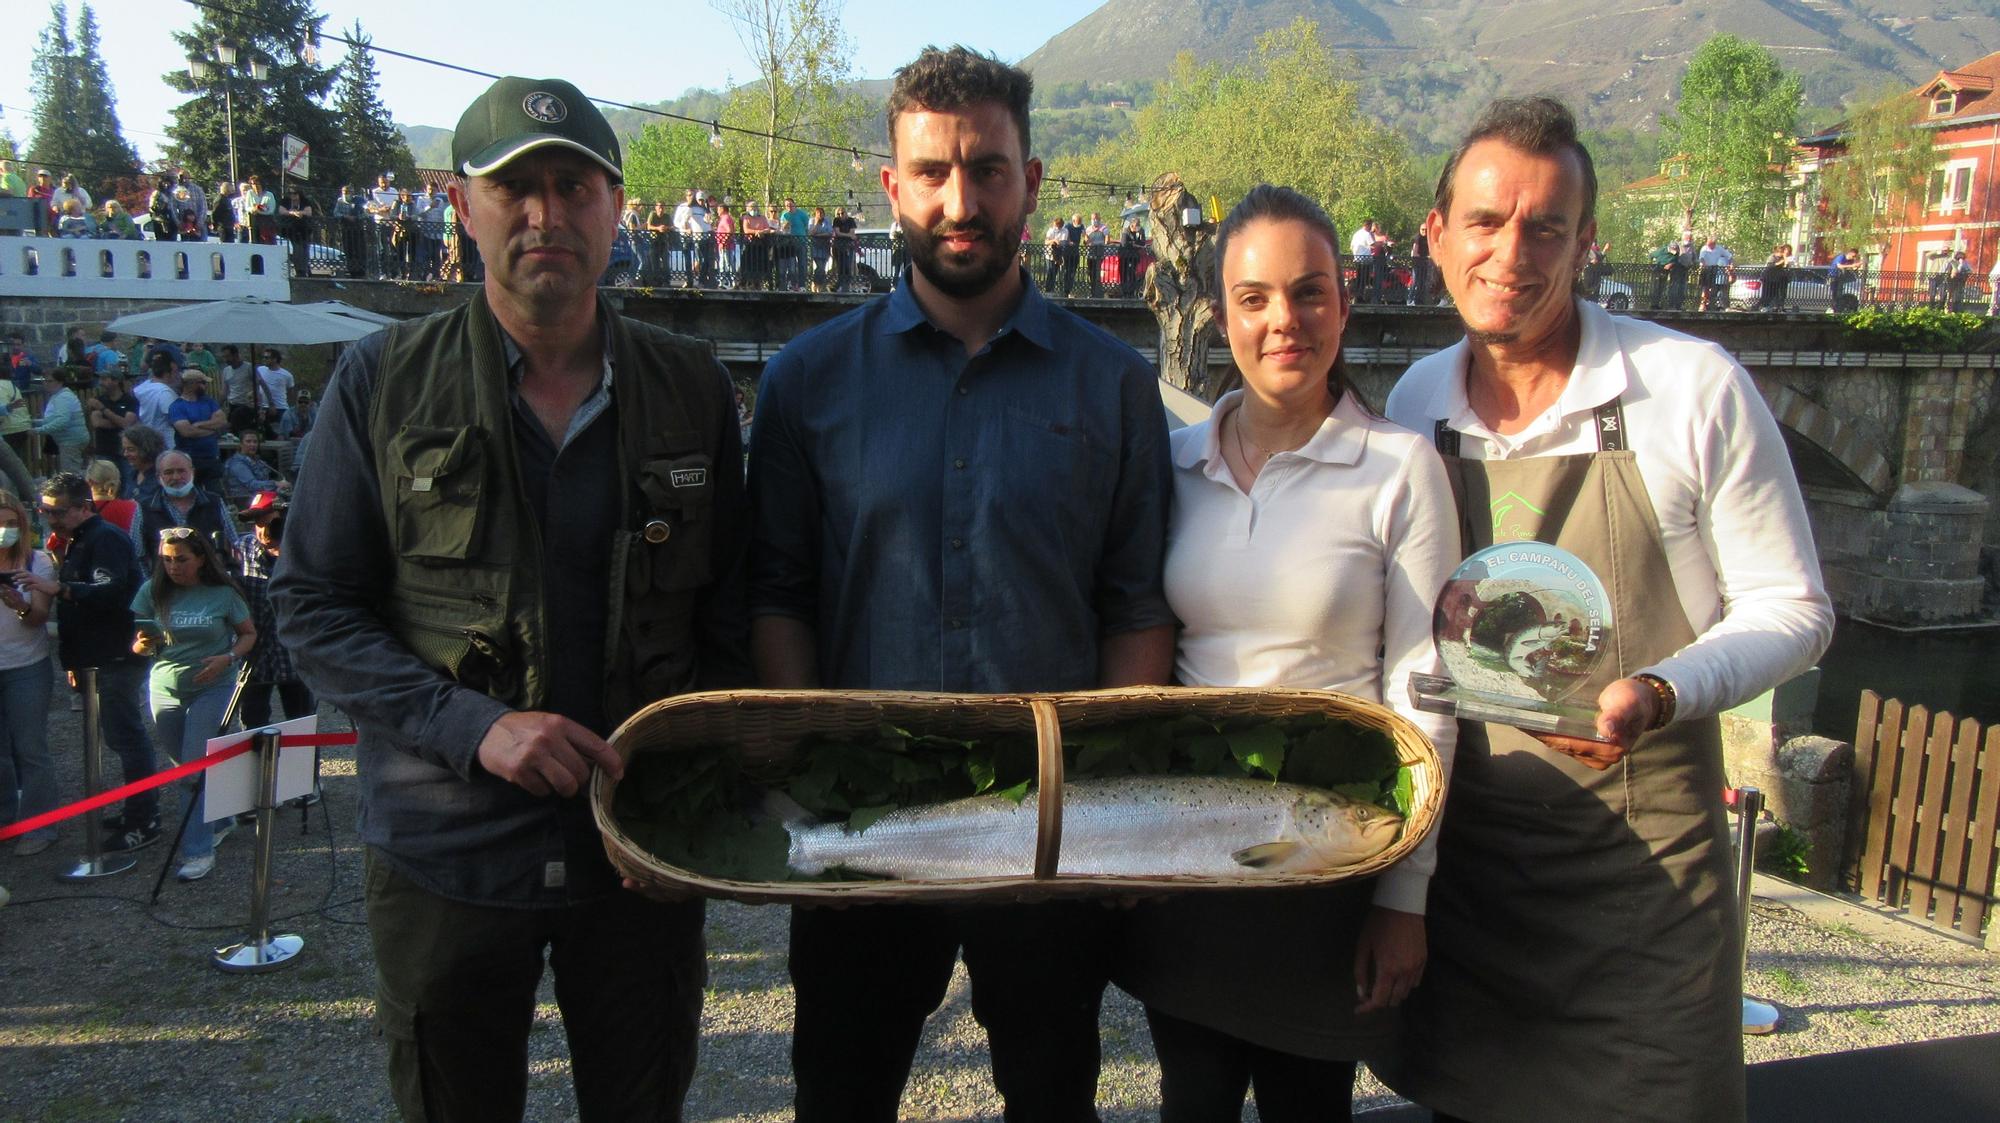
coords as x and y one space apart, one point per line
714 125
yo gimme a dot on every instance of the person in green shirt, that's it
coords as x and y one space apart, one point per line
198 355
12 186
194 624
1662 258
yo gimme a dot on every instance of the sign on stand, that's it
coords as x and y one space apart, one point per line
297 158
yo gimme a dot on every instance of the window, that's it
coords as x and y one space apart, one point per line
1944 103
1951 188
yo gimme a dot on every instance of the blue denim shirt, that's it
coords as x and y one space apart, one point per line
961 523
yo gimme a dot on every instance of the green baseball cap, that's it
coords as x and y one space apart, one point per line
517 115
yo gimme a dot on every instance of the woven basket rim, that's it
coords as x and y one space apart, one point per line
1075 709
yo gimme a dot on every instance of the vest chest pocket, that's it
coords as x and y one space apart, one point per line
439 474
677 537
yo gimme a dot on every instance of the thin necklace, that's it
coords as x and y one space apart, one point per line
1237 426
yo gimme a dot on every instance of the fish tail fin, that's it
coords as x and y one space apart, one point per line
1265 855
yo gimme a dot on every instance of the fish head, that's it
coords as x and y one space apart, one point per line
1338 831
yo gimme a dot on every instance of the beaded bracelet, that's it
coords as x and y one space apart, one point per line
1669 700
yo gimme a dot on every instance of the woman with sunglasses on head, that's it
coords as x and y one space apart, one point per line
195 625
1308 541
27 773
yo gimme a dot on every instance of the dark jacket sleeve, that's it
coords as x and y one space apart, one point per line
334 571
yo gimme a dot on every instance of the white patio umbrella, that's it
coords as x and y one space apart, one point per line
342 308
245 319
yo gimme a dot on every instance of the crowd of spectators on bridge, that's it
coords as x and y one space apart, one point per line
167 466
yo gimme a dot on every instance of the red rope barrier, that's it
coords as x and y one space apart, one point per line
161 779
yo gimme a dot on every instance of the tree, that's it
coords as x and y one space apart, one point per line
668 157
75 114
369 141
1737 113
802 57
1285 116
284 34
1883 162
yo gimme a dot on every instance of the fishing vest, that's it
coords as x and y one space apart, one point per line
466 597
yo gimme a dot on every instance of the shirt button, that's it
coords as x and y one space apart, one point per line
958 543
963 391
956 622
959 463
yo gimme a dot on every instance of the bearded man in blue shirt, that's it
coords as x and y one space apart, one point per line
957 487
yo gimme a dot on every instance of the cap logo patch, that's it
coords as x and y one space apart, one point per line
544 107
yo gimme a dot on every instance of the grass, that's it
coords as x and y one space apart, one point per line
1867 1017
1786 982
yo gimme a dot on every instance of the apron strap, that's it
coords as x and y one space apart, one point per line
1610 422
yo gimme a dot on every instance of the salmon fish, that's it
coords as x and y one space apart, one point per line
1137 826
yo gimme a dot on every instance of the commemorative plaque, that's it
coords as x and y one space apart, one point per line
1520 628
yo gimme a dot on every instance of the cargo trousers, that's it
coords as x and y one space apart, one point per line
455 998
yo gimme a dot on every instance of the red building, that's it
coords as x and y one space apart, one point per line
1961 207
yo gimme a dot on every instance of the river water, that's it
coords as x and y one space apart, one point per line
1957 671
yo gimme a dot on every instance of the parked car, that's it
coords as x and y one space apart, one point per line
623 268
324 261
1400 280
1807 291
1614 295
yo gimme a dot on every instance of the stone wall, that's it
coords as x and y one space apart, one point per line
46 320
1806 780
1915 561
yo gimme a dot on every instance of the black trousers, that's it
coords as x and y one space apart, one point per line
1205 1072
455 997
865 978
296 697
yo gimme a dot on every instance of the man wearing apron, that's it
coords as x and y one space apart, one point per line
1584 961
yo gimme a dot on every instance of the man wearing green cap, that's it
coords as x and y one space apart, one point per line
520 521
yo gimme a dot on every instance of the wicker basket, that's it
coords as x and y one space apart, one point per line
766 724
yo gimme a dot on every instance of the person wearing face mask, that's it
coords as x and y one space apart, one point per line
180 501
27 774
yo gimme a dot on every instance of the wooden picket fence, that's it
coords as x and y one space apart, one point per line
1927 802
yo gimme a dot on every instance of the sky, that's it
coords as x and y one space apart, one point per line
640 53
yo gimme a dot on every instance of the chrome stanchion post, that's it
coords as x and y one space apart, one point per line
94 863
262 951
1758 1017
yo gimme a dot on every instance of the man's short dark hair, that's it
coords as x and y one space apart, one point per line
68 488
161 364
1541 126
942 81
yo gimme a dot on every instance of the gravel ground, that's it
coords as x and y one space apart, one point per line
111 1010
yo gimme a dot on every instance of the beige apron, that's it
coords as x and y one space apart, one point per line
1584 955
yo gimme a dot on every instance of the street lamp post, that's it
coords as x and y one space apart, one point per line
225 57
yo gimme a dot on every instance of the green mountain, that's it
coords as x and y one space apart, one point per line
1427 65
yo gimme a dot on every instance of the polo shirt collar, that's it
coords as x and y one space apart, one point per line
1341 438
1030 318
1599 375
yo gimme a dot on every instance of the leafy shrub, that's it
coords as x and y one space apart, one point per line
1913 329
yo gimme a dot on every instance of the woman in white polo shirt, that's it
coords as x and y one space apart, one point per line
1308 543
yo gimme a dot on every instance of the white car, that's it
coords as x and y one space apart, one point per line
1807 291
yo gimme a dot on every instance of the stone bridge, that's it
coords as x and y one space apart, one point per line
1896 452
